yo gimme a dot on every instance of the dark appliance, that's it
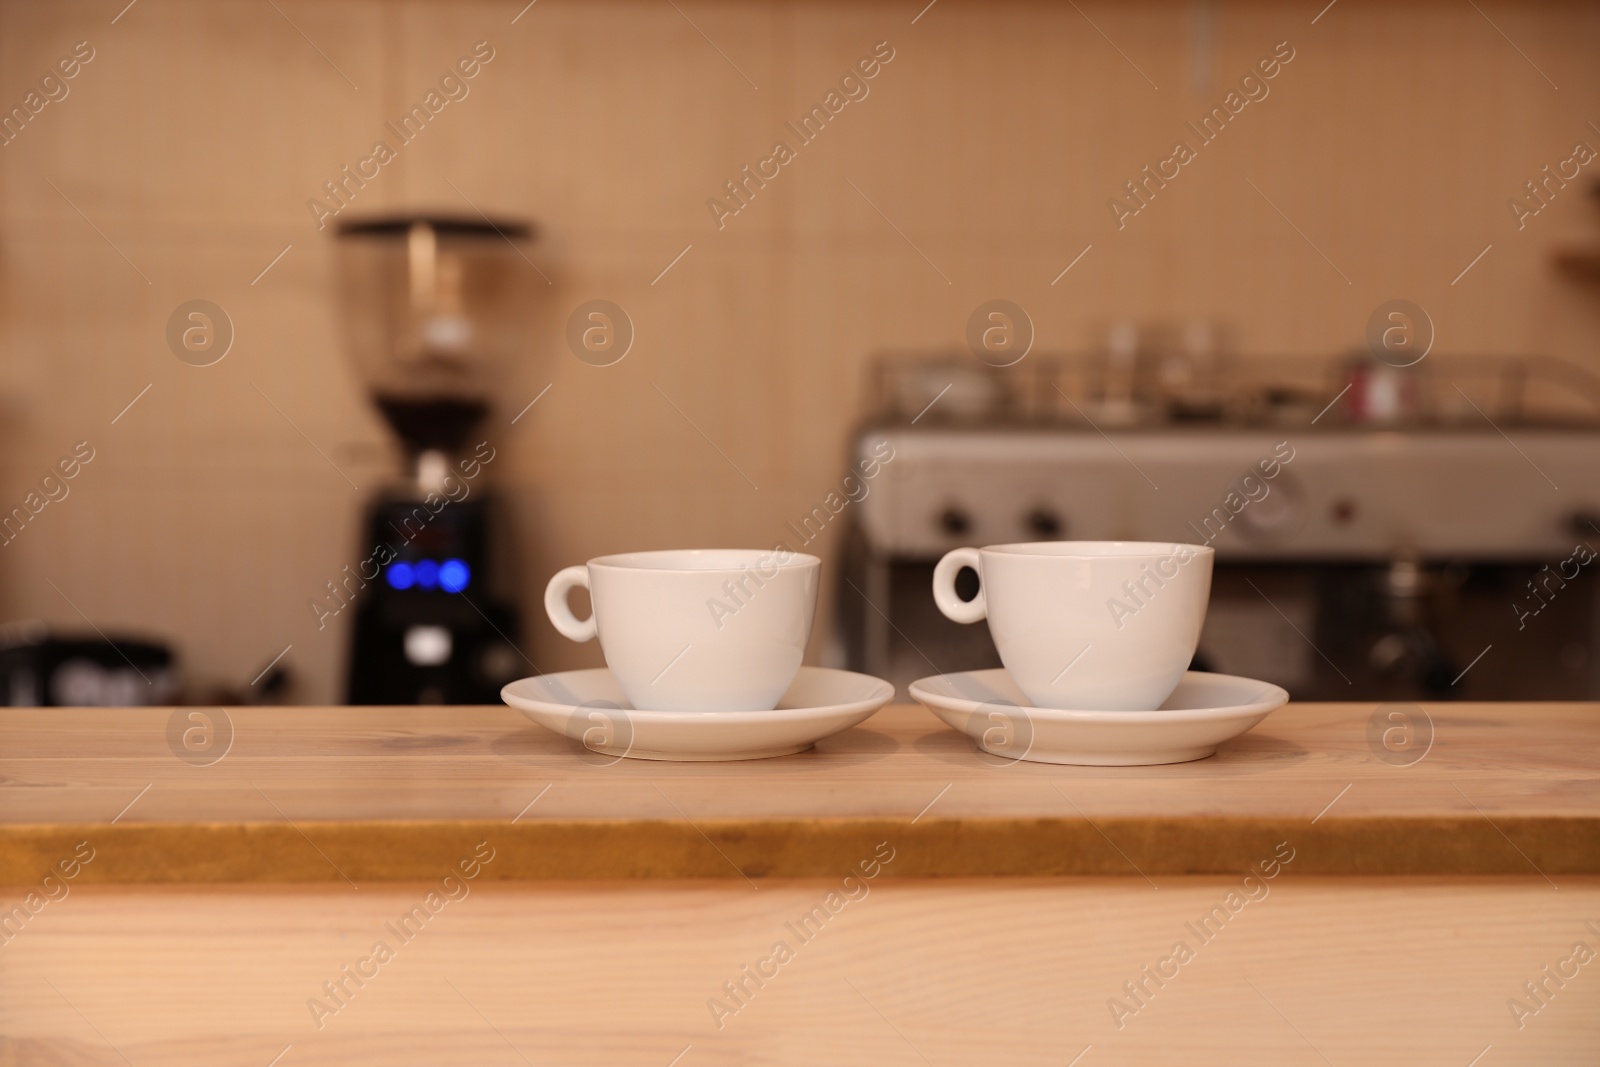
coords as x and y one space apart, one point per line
436 308
40 669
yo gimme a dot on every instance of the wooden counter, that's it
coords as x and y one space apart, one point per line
387 794
1076 884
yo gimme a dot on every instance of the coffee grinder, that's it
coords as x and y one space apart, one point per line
435 308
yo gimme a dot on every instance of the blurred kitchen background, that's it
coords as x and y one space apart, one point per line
775 350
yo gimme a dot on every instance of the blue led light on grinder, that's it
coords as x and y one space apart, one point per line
451 576
454 575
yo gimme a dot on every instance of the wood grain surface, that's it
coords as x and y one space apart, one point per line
1019 972
383 794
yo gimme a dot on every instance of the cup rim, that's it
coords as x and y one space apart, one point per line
648 562
1095 549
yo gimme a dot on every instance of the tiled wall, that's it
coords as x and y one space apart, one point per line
980 164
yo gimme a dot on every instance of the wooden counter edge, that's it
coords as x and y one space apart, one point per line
550 849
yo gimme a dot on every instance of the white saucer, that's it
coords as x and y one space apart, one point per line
589 707
1204 711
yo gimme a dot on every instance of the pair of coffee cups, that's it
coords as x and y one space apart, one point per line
1092 625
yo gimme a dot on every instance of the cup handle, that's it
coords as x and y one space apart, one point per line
944 587
555 604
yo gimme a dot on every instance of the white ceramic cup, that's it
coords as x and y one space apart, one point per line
1086 625
695 629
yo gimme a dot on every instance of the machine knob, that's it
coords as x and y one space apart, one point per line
1043 523
1278 515
954 521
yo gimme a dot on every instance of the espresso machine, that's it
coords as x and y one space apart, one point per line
1431 532
435 309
